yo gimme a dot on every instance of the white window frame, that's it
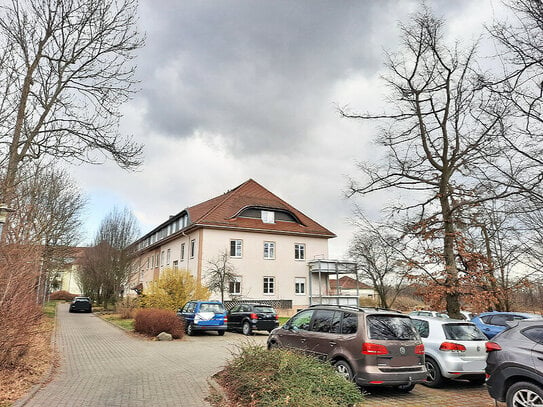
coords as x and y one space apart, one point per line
238 249
192 248
299 251
182 258
267 216
269 250
299 285
162 259
168 256
237 284
269 285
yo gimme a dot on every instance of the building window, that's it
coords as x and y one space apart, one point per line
269 285
235 248
175 265
299 251
234 286
147 263
182 251
192 248
299 286
268 216
269 250
162 258
168 257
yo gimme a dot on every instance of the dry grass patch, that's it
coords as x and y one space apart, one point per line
16 381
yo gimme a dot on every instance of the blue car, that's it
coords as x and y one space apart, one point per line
492 323
203 316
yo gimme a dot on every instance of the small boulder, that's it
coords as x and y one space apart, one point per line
164 336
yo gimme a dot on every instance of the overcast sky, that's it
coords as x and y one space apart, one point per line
232 90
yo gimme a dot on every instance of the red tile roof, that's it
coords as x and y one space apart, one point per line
222 212
348 283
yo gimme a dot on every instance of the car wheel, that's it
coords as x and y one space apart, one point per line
344 370
434 379
190 330
221 333
478 381
524 394
406 388
246 329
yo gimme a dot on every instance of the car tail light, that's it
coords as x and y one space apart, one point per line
452 347
277 317
376 382
492 346
253 316
374 349
419 349
225 319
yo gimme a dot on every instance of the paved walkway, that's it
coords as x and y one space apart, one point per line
103 366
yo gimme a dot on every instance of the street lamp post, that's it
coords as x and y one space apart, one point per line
4 210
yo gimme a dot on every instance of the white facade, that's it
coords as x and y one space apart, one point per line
288 275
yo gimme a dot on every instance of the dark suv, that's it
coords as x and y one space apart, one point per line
81 304
514 365
252 317
370 346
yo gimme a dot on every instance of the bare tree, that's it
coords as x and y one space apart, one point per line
48 207
106 267
445 144
220 273
65 68
377 250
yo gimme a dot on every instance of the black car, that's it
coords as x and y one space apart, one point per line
252 317
81 304
514 365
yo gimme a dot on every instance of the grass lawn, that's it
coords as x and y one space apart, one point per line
126 324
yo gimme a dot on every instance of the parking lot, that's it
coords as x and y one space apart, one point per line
104 366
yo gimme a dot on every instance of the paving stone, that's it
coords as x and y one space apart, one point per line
102 365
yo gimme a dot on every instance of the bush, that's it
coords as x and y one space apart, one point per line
62 295
128 307
258 377
154 321
172 290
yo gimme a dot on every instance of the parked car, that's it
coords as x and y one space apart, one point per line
204 316
467 315
425 313
81 304
515 364
252 317
492 323
454 349
370 346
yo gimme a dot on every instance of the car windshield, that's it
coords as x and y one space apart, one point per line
463 332
391 327
216 308
264 309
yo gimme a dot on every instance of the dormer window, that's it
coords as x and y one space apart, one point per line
268 217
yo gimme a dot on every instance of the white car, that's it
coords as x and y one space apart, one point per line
426 313
453 349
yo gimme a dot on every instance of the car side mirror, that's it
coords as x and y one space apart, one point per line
179 310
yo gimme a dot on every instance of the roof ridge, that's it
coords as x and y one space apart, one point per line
226 195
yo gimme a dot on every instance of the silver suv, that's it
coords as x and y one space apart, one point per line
370 346
454 349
